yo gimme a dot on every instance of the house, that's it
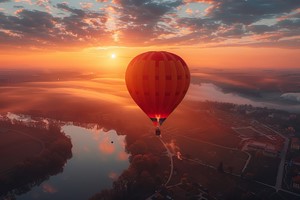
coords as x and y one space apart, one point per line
256 146
296 182
295 144
270 152
268 149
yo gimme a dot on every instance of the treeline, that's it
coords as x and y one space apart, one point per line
34 170
41 133
281 119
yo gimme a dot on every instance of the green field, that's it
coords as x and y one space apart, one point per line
211 154
206 140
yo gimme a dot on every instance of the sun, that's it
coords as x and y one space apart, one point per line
113 56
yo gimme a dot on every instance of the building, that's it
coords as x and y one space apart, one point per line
295 144
255 146
296 182
267 149
270 152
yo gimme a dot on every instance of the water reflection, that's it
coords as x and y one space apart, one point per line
47 188
22 173
95 164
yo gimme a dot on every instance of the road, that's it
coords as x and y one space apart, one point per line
171 161
170 155
280 172
281 165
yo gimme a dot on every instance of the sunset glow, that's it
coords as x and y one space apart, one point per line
205 33
113 56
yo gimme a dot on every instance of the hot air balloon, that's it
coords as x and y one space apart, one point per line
157 81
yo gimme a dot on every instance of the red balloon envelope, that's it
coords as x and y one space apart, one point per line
157 81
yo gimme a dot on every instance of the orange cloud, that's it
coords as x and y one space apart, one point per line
189 11
19 11
86 5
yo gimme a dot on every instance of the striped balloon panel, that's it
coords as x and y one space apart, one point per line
157 82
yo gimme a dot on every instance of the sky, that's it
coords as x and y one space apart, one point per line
205 33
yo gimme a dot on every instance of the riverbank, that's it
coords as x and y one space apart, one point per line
30 155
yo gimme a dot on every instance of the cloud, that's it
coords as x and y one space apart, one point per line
38 28
18 7
259 29
269 23
189 11
202 1
27 1
295 15
44 3
107 96
26 27
140 20
295 97
86 5
247 12
65 7
238 23
41 2
289 24
211 92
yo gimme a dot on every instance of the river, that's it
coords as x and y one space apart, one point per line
99 157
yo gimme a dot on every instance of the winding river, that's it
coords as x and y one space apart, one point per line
99 157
